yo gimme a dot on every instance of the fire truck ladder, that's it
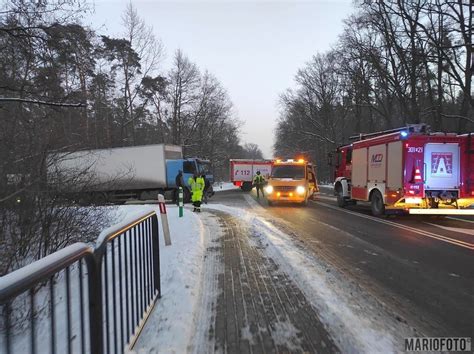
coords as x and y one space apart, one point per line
411 128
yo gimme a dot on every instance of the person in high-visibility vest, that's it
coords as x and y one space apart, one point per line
259 182
196 183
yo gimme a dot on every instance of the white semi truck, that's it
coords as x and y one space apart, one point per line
124 173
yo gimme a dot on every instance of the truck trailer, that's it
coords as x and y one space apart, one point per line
124 173
410 169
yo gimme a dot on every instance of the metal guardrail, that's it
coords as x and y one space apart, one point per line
130 270
43 271
114 293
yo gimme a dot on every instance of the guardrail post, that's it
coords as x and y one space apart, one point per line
180 201
95 305
164 219
7 324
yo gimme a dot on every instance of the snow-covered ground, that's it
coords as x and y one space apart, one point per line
171 326
223 186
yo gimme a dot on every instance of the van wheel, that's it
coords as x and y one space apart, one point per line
341 202
376 204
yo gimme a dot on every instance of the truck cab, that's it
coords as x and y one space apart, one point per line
291 181
189 167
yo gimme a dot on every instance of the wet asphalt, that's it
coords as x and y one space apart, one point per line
422 267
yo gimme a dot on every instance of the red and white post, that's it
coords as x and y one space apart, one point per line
164 219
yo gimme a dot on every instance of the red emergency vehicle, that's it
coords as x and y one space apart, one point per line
242 172
409 169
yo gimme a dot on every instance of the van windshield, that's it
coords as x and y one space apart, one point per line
288 171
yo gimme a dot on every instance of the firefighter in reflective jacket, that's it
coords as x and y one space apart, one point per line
196 183
259 182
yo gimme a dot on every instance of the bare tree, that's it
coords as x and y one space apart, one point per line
252 151
149 50
397 62
184 80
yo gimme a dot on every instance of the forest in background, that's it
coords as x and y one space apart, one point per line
67 87
396 63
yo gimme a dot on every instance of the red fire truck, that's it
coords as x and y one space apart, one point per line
409 169
242 172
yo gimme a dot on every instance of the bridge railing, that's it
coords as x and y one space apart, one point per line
30 298
84 299
128 260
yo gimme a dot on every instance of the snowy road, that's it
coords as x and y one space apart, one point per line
310 279
403 263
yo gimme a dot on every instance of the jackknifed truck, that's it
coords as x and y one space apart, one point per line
411 170
124 173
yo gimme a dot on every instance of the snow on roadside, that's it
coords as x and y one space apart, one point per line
170 329
326 185
223 186
355 323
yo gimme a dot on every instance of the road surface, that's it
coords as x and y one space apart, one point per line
422 268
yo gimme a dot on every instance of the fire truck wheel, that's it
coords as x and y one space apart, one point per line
433 203
341 202
376 203
270 203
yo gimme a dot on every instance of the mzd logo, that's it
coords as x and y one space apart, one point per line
376 160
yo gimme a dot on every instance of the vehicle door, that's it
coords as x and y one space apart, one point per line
442 167
189 168
311 178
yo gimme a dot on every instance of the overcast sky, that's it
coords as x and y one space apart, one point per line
254 48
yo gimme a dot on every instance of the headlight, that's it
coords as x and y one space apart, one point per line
300 190
269 189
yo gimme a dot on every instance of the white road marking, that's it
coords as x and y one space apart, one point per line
404 227
325 197
459 219
454 229
371 253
